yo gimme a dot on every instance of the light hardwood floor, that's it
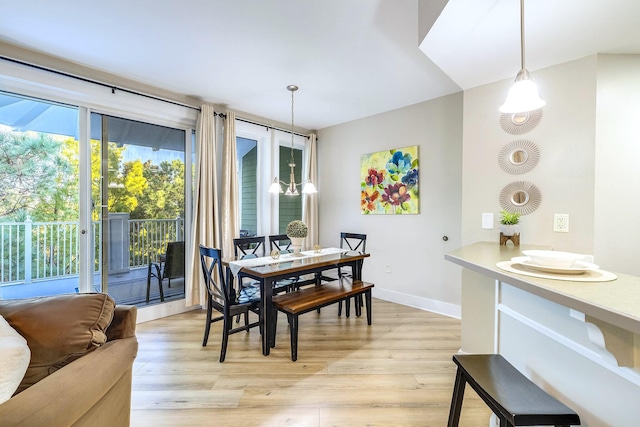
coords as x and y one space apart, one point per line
396 372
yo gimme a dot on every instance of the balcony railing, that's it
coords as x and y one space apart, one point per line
33 251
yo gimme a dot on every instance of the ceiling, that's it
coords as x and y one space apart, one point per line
350 58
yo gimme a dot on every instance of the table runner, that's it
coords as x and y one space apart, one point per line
235 266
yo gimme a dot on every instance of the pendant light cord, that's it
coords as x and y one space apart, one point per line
522 34
293 89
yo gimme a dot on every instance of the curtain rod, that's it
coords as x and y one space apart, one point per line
270 127
96 82
114 88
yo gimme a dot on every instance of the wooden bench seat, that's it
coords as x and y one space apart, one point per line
309 299
514 399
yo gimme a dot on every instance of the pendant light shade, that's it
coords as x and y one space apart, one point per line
292 187
309 188
523 95
275 186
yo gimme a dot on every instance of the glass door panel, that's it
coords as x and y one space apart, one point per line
247 154
290 206
138 181
39 197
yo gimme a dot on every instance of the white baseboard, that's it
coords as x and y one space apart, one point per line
427 304
159 311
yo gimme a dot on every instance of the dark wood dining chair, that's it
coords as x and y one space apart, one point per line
221 299
358 243
254 247
354 242
247 246
169 265
282 243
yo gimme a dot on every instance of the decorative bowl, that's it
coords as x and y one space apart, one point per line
553 258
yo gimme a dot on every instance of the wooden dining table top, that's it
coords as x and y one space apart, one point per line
290 264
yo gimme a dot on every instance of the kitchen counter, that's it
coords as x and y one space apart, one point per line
578 340
616 302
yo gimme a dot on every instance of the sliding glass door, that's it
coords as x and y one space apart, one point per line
39 198
138 189
116 189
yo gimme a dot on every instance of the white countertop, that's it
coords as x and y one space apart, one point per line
616 302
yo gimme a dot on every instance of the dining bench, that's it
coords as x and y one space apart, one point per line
312 298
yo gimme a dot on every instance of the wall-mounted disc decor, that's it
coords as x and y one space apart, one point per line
519 123
518 157
520 196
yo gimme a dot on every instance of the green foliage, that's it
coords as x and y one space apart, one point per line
36 177
509 218
131 184
39 179
297 228
163 196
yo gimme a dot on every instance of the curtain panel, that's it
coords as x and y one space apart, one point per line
205 229
229 215
310 201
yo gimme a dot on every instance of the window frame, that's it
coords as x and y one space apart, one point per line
269 140
40 83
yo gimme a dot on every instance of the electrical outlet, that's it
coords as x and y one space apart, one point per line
561 223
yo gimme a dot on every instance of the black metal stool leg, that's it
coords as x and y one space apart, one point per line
456 400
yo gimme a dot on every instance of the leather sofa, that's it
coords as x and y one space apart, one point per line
87 388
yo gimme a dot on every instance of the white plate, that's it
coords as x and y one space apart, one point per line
553 258
578 267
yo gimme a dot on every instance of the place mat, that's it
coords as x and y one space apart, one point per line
587 276
236 266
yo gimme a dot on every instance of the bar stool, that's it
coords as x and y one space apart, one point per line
514 399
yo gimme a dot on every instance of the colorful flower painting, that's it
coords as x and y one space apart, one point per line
389 182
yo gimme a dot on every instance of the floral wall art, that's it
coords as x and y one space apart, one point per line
389 182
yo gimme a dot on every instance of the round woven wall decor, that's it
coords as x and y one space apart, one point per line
520 196
519 157
519 123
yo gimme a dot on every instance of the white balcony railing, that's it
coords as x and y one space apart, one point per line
33 251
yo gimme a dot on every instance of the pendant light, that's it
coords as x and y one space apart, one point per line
523 95
292 187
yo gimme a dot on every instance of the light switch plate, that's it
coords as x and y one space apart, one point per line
487 221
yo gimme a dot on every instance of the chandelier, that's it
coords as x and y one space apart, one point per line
292 187
523 95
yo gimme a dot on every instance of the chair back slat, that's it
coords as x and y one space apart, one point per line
243 246
215 281
354 242
280 242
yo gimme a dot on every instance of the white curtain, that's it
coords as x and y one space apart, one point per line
310 201
229 218
205 213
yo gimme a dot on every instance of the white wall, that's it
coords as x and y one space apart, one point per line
617 183
411 244
589 142
565 171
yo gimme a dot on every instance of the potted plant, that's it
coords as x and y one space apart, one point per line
509 223
297 231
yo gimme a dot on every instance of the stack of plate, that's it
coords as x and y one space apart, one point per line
555 262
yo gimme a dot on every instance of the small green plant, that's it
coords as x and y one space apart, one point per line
509 218
297 228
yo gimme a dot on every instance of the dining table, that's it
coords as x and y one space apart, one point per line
270 269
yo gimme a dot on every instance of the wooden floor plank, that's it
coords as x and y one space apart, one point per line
396 372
